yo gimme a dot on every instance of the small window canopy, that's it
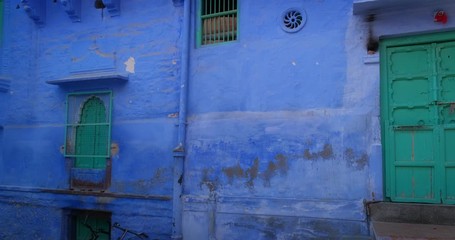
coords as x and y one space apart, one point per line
99 78
364 7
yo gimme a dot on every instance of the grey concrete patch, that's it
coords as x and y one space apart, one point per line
402 231
412 213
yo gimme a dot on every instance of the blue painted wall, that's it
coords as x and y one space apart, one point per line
33 114
271 146
284 140
283 134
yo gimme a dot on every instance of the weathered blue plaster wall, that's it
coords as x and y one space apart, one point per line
284 130
32 168
283 137
272 147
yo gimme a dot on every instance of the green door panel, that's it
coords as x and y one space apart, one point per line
414 184
410 91
446 54
418 118
411 116
92 135
409 61
414 166
89 227
414 146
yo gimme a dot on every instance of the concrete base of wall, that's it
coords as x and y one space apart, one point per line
391 230
411 221
412 213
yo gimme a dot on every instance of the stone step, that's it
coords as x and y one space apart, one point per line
410 231
412 213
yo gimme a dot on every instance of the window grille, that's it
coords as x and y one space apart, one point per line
218 21
88 128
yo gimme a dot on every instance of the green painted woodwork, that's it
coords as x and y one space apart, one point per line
90 227
92 135
217 21
88 129
418 117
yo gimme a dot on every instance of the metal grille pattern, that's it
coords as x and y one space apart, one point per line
88 128
219 21
293 20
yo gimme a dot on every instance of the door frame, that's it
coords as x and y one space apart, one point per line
397 41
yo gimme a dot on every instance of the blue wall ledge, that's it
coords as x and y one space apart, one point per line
17 189
94 78
361 7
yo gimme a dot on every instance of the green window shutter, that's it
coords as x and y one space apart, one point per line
91 135
218 21
88 129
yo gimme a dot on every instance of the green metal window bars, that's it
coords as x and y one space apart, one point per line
218 21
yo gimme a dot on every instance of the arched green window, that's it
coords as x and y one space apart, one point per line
88 129
91 135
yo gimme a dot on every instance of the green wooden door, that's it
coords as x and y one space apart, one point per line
92 135
417 95
91 228
445 53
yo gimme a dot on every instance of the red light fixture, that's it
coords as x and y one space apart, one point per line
440 16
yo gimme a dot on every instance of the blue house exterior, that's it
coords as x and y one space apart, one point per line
274 134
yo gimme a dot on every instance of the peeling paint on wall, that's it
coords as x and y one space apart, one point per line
130 64
114 149
208 180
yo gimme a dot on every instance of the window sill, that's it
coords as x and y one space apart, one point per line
371 59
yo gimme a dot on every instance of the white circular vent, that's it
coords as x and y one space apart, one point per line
293 20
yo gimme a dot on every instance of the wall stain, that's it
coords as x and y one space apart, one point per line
282 163
159 176
354 160
325 153
278 165
252 174
234 172
207 181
